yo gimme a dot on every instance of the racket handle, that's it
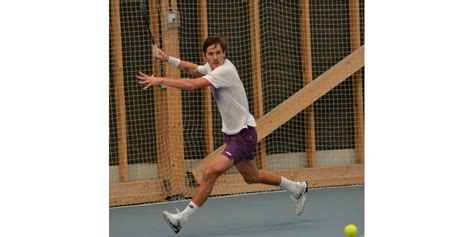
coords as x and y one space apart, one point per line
155 47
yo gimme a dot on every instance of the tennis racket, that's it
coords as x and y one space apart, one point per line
147 22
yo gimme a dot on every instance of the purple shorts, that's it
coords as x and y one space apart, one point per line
240 146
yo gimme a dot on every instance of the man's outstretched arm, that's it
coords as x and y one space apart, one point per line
183 84
187 67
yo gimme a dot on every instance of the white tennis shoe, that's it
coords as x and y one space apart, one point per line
300 197
175 221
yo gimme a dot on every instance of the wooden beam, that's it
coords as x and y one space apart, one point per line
257 76
311 92
134 187
299 101
307 62
136 199
206 93
119 91
136 192
354 17
303 174
161 115
173 141
203 26
316 177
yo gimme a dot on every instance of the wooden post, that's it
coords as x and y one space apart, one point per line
206 93
161 114
257 75
119 91
170 107
357 85
307 78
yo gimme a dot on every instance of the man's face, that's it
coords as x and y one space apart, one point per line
215 56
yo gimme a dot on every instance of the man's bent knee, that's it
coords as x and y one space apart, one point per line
211 173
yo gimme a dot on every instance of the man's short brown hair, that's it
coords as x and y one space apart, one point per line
213 40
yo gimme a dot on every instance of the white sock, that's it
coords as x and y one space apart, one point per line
290 186
189 210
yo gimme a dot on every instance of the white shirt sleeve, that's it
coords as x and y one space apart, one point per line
219 77
204 69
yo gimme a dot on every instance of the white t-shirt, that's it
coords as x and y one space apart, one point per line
229 94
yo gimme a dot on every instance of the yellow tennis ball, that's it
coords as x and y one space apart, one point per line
350 230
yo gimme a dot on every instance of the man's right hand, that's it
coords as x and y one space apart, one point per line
159 54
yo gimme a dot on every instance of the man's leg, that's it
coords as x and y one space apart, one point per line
251 174
217 167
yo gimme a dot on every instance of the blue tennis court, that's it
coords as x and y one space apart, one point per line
326 213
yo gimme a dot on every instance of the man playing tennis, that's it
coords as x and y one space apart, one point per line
238 126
